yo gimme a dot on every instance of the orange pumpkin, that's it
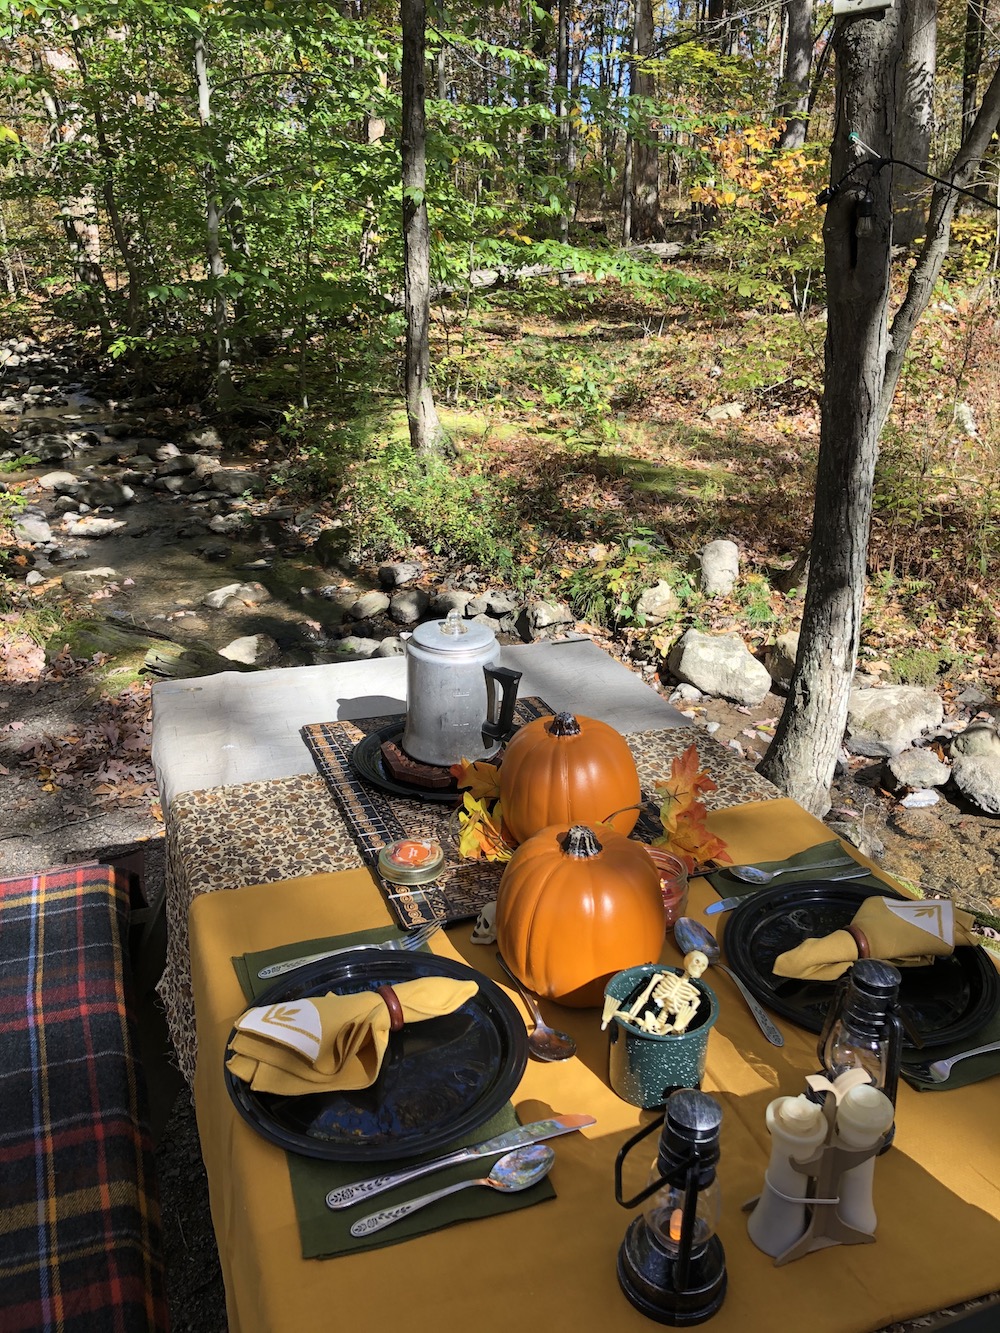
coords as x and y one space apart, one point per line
568 770
576 906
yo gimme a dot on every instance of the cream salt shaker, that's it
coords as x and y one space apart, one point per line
798 1128
863 1116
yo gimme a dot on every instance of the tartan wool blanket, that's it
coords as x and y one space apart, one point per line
80 1240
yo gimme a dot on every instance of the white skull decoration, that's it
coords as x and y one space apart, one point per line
485 929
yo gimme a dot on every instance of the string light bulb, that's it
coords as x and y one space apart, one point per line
864 215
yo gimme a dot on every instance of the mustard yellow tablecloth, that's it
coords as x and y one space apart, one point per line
553 1268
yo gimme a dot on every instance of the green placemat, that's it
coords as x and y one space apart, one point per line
728 886
325 1233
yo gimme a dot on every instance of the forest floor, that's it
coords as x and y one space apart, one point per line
614 444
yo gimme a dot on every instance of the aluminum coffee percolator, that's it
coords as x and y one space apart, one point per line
454 708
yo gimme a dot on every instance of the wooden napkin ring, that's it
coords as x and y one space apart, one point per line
394 1007
860 939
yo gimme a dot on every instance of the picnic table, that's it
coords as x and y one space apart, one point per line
279 848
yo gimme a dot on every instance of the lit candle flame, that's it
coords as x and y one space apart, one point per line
676 1221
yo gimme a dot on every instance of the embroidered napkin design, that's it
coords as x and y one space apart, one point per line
907 934
332 1042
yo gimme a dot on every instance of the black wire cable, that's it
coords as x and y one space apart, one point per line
876 164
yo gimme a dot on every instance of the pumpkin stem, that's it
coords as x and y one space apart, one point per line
564 724
581 841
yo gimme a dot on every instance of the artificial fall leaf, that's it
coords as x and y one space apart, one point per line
481 834
481 779
683 813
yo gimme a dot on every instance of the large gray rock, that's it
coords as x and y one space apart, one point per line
368 604
353 648
109 494
63 483
408 606
538 617
915 768
719 665
449 599
779 658
94 528
32 528
207 438
656 603
720 568
979 739
252 650
51 448
395 574
243 592
235 481
229 524
89 580
881 723
977 777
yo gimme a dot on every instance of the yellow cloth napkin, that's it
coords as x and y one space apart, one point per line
331 1042
907 934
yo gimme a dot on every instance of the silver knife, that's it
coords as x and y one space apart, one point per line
279 969
514 1138
726 904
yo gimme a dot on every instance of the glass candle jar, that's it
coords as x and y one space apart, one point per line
673 883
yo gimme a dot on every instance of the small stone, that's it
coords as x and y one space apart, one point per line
408 606
368 604
720 568
920 799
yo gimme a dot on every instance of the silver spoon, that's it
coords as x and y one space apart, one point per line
517 1170
754 875
545 1043
690 934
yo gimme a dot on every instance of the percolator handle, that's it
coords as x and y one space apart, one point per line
508 680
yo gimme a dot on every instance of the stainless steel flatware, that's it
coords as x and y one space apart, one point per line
412 941
727 904
754 874
502 1143
939 1071
690 934
544 1043
519 1170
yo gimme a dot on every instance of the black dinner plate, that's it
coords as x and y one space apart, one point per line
439 1079
944 1002
367 762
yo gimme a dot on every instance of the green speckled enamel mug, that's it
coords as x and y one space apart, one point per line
644 1069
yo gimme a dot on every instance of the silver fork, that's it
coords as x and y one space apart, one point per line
411 941
939 1071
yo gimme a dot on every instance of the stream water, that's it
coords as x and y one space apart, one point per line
165 556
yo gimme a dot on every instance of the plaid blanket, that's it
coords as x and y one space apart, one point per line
80 1242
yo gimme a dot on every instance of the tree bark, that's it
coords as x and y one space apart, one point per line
213 232
803 755
914 119
794 106
972 59
645 222
426 435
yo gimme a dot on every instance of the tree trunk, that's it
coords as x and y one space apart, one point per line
914 119
863 365
10 280
794 104
644 206
972 59
213 232
803 754
426 435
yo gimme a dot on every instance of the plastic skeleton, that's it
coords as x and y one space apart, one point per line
675 999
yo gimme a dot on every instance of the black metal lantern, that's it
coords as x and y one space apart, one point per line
671 1264
863 1029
